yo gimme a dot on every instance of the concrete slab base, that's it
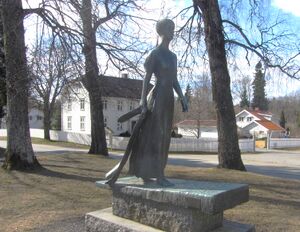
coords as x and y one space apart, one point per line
105 221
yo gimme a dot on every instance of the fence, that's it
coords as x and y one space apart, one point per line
80 138
120 143
284 142
189 144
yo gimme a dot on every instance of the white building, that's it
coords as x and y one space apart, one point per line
35 117
249 123
258 123
119 96
191 128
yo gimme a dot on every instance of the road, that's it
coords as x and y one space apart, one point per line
277 163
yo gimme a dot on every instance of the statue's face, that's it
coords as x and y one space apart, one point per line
165 29
168 32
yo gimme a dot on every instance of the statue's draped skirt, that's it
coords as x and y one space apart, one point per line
150 150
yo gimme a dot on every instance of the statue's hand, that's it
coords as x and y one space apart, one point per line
184 104
144 110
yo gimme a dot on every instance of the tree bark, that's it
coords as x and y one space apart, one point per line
228 150
19 154
91 82
47 120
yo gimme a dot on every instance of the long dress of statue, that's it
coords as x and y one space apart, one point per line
150 149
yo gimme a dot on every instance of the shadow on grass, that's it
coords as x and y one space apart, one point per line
72 167
189 163
274 171
291 203
43 171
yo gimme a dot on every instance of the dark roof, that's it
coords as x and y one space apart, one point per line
121 87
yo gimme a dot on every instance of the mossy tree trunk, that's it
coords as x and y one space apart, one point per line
19 154
228 150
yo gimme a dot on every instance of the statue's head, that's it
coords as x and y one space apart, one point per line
165 28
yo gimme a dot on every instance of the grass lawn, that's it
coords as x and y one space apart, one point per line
58 195
54 143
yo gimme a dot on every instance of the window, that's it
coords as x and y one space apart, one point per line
69 104
120 106
104 104
249 119
241 119
105 122
131 105
30 117
82 104
38 117
119 126
82 123
69 119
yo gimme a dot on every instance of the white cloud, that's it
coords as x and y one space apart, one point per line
289 6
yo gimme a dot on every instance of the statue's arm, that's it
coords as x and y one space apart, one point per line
146 83
182 98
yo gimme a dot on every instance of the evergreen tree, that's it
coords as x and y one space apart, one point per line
188 93
282 120
259 96
244 103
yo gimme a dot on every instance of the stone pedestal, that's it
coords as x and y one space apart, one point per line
188 206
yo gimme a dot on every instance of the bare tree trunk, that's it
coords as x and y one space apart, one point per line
228 150
47 120
198 129
91 82
19 154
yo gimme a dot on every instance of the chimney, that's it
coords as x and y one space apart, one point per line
124 75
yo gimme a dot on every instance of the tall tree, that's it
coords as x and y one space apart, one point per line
228 150
282 120
51 69
201 105
95 26
98 143
188 93
259 95
19 154
241 89
2 69
244 103
290 105
267 43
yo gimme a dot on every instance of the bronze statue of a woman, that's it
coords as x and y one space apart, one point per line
150 141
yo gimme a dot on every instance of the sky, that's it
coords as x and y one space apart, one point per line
277 86
288 6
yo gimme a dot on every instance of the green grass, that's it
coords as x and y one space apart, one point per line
64 189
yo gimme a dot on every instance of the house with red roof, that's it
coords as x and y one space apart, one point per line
258 123
249 123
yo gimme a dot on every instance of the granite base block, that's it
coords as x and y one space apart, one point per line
208 197
189 206
164 216
105 221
